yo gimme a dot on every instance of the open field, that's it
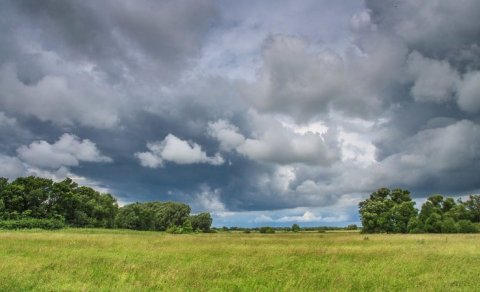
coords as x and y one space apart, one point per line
76 259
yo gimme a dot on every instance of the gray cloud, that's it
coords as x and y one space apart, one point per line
469 92
274 143
305 84
11 167
69 150
236 107
434 80
174 149
120 36
435 27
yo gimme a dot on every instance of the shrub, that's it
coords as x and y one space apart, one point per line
352 227
29 223
266 229
465 226
295 228
449 226
184 229
201 222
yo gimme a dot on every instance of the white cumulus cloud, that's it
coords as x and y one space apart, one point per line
69 150
176 150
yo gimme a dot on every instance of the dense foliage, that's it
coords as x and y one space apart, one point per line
295 228
153 215
201 222
393 211
34 202
30 223
280 228
41 198
266 229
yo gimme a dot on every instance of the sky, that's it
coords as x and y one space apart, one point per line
259 112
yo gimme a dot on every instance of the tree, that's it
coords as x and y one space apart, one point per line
459 212
295 227
352 227
415 226
387 211
401 213
449 226
80 206
473 206
431 214
375 216
465 226
201 222
153 215
27 195
266 229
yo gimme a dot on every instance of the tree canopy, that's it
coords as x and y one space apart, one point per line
392 211
32 200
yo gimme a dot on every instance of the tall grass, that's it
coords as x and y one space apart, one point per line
112 260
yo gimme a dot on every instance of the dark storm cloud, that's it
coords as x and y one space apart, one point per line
119 34
435 28
60 58
302 106
431 135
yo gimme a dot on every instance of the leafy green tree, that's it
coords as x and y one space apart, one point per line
431 213
352 227
295 227
449 225
433 223
415 225
266 229
153 215
3 185
473 206
201 222
465 226
387 211
375 216
458 212
35 197
401 213
169 213
29 194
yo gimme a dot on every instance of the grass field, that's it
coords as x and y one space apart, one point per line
111 260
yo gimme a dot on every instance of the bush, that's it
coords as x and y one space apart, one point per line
449 226
466 226
201 222
352 227
29 223
184 229
266 229
295 228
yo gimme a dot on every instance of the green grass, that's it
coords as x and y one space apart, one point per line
112 260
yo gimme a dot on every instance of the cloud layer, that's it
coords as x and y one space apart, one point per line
173 149
260 115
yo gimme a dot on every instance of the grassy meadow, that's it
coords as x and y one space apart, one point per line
112 260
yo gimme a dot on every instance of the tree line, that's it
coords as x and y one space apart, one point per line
35 202
294 228
393 211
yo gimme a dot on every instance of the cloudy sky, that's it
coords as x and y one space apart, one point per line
261 112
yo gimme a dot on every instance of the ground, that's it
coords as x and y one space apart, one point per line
113 260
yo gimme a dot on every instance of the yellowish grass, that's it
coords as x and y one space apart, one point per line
112 260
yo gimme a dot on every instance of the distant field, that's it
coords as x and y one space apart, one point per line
109 260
